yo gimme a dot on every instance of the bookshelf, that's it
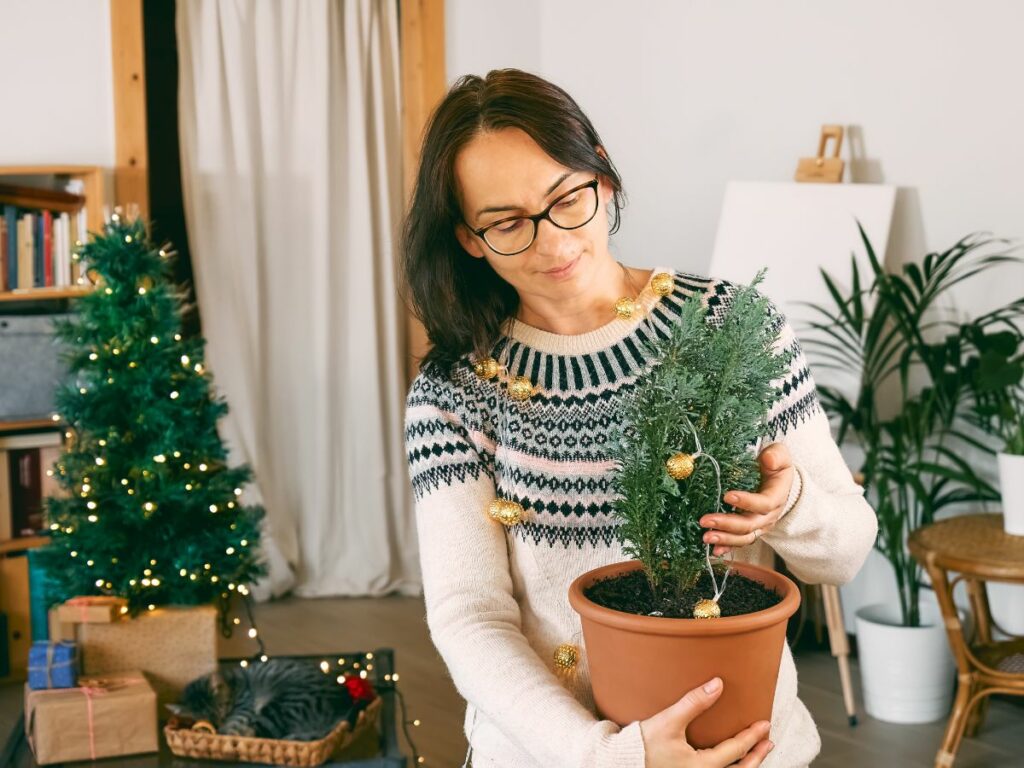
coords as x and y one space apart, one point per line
41 187
27 188
29 425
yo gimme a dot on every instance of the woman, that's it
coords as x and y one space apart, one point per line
506 261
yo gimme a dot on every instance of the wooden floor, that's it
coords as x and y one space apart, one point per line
327 626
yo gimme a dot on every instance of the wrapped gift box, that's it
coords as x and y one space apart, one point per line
173 645
104 717
91 609
52 665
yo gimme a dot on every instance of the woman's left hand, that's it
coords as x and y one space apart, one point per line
756 513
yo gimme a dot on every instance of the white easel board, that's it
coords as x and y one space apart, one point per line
795 230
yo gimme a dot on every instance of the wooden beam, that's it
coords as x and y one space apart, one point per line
424 83
131 168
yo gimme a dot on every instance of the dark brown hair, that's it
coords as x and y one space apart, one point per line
461 300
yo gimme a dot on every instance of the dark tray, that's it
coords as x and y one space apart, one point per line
17 754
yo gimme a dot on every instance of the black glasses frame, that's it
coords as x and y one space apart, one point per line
536 219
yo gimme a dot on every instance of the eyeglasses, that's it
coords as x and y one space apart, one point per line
517 233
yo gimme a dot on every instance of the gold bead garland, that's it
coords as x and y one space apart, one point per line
506 512
706 609
625 308
509 513
680 466
662 284
487 368
520 388
566 655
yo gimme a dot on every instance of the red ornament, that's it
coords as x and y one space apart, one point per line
359 689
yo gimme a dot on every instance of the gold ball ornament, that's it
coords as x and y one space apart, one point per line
566 656
506 512
520 388
662 284
487 368
680 466
625 308
706 609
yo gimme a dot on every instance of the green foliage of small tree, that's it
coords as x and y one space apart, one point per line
152 512
712 383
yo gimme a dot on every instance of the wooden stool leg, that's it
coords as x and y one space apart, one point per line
983 622
817 614
976 718
840 645
955 726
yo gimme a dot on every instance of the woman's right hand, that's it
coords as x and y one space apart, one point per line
665 744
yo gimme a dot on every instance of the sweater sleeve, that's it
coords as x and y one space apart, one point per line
827 528
472 614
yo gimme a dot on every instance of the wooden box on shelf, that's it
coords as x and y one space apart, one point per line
18 193
15 600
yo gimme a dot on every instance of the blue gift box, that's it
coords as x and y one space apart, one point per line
52 665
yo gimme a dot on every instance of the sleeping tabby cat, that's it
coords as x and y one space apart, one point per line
277 699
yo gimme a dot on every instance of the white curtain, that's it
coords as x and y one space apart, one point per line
291 168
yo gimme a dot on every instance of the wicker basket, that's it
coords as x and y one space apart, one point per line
191 742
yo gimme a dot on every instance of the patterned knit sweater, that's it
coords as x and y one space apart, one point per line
496 598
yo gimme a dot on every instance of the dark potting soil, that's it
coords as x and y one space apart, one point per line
630 593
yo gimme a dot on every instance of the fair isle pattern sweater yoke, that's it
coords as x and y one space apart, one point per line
566 425
496 598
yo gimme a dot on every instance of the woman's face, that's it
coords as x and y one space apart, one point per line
507 169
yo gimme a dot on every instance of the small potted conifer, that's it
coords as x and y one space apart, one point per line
667 621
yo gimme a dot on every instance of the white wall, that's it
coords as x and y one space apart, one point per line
688 95
57 98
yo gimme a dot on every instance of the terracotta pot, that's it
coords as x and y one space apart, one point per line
639 665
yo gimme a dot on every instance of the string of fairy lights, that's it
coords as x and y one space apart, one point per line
190 473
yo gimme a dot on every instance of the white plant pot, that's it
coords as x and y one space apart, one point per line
1011 484
907 673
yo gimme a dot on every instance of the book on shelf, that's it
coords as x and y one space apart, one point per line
9 254
38 231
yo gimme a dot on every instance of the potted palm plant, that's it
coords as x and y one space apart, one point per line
921 369
659 625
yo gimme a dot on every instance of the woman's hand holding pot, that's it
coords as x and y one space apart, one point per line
665 744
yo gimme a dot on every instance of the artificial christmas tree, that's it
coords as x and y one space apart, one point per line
153 513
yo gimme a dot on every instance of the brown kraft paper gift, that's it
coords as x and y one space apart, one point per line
173 645
104 717
90 609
